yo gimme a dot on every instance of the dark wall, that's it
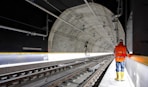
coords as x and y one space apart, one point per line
11 41
19 11
140 27
20 14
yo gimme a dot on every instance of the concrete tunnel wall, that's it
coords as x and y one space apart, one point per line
96 29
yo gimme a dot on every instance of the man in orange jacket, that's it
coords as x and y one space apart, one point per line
120 53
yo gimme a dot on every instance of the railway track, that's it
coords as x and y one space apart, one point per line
58 75
85 76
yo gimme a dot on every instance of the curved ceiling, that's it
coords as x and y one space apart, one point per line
85 28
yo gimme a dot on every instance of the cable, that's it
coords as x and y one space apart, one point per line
52 6
20 22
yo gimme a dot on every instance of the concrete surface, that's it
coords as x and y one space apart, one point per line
98 30
109 78
138 73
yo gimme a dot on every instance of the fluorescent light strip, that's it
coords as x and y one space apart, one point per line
31 48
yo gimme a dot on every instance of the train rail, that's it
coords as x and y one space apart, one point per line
73 69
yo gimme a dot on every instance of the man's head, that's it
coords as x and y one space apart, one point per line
120 40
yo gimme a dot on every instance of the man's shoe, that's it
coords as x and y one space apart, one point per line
118 76
122 76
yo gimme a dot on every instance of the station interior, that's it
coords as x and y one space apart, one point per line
70 43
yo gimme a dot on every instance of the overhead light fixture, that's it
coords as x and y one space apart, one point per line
31 48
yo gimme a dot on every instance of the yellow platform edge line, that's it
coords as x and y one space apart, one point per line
42 52
140 59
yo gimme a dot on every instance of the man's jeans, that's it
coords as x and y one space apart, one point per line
120 66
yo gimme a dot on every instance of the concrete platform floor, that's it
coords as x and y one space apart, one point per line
109 78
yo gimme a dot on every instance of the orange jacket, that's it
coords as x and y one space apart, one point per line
120 52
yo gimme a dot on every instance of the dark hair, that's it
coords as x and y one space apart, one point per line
120 40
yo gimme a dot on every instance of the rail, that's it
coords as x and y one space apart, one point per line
89 82
24 76
21 76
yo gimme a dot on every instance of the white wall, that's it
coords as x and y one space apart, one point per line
138 73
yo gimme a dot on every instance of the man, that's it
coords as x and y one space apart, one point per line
120 54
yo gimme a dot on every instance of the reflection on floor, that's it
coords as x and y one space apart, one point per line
109 78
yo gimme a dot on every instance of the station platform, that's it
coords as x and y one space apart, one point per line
110 75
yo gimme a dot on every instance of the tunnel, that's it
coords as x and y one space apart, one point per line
54 43
83 24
